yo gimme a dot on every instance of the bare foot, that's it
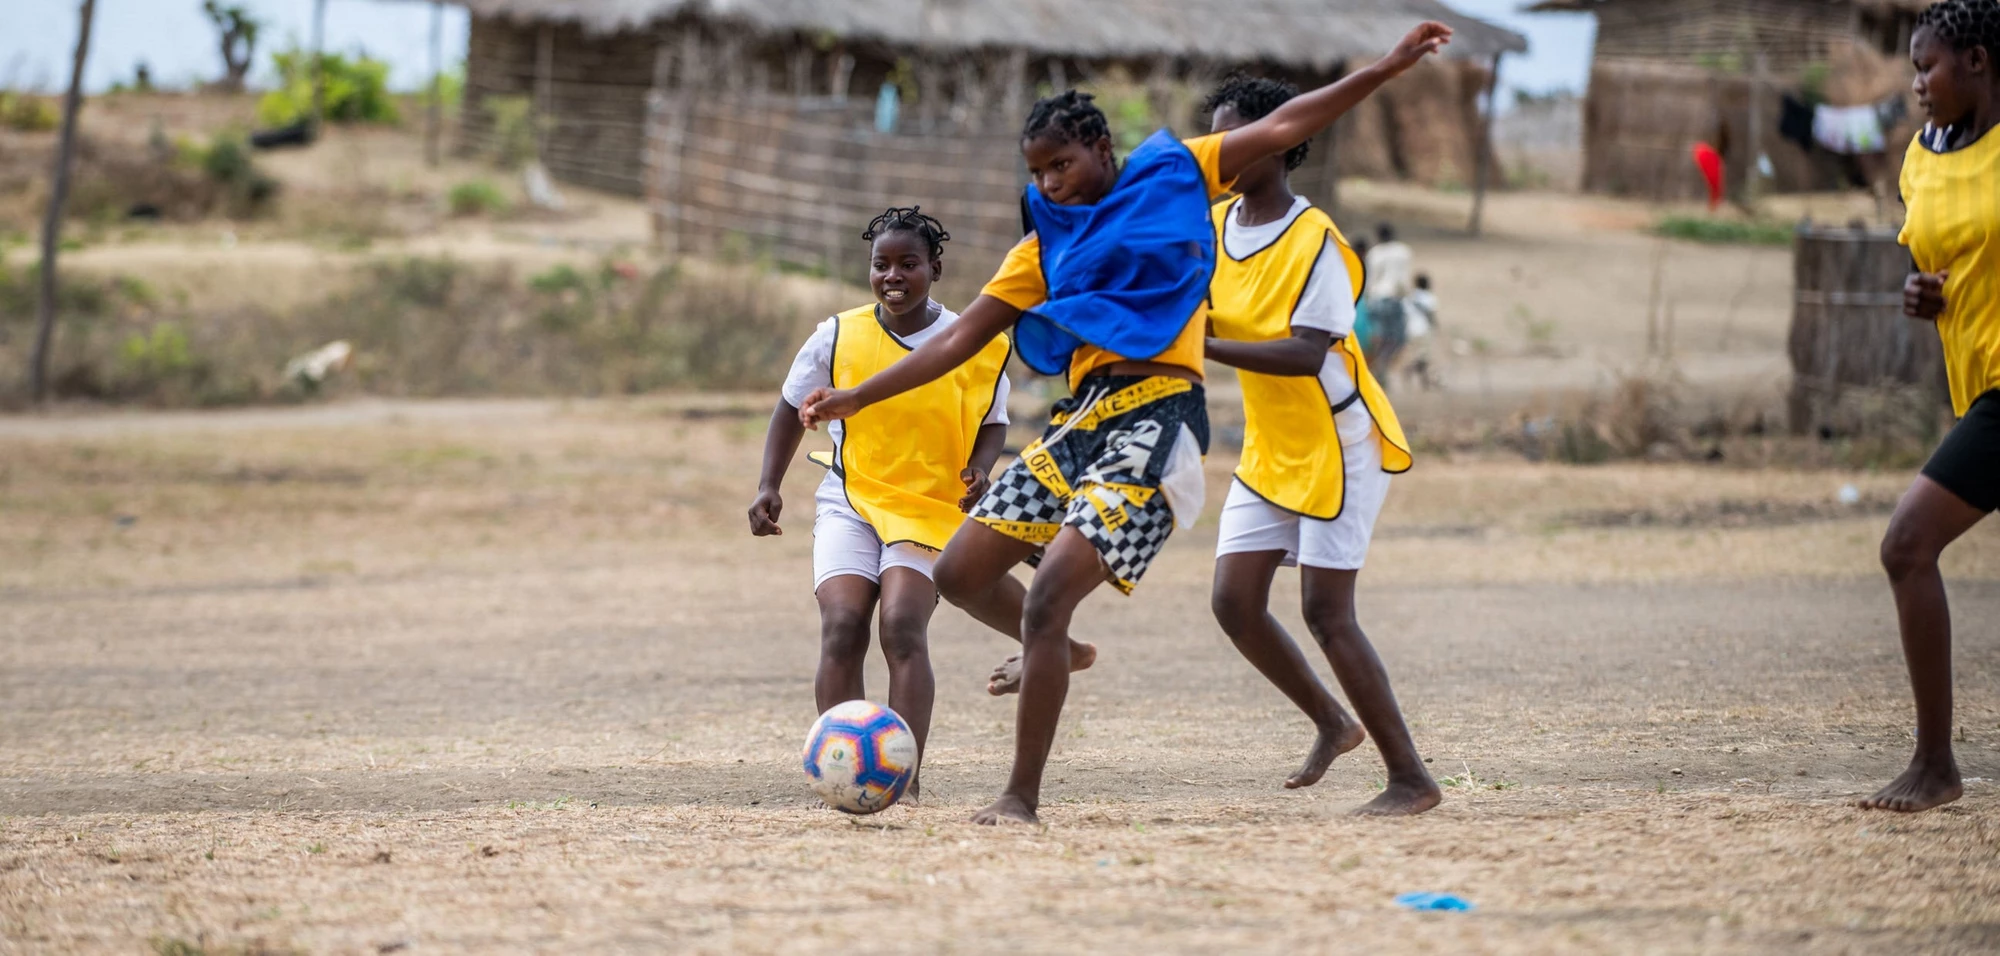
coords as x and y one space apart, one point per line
1007 809
1006 679
1332 742
1402 800
1926 784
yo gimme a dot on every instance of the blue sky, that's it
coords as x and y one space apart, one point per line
175 39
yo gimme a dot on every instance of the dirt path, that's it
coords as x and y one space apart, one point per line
507 676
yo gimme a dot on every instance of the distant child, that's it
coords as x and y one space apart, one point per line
1421 324
1388 268
900 475
1319 444
1112 287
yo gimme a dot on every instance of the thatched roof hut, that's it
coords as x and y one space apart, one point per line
1316 34
589 64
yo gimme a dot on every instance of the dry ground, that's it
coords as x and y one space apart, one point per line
500 676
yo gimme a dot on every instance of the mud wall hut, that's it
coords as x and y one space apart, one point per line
1667 74
764 125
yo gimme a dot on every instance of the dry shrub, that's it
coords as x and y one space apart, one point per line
427 327
1637 417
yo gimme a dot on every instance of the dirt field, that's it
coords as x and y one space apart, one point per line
474 676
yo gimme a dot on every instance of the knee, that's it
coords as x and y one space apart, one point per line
1234 611
843 632
904 637
1905 552
956 580
1330 619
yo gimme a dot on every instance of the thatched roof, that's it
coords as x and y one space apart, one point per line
1585 6
1309 33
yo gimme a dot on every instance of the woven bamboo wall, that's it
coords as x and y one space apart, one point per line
1722 33
597 98
795 180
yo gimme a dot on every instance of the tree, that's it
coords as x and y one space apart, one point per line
45 306
239 29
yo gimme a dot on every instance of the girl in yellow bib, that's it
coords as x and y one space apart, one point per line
1319 444
900 474
1951 184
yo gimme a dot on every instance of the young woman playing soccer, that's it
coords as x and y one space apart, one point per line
901 473
1111 285
1950 176
1319 444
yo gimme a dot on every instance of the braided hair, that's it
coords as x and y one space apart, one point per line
1254 97
911 220
1068 117
1964 24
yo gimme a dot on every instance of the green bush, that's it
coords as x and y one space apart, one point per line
227 162
1755 232
476 197
513 129
28 114
357 90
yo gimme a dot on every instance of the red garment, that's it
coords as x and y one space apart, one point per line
1710 163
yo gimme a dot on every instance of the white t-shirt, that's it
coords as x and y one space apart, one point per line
1327 305
1423 312
1389 271
813 368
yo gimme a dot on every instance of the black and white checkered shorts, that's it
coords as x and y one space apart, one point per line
1098 469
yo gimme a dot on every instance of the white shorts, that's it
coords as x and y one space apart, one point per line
845 544
1249 523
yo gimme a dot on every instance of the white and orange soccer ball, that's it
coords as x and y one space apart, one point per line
860 756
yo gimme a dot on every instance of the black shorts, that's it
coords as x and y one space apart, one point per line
1967 463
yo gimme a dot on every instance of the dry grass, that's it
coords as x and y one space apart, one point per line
510 675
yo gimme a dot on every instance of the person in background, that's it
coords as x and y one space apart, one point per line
1421 322
1388 285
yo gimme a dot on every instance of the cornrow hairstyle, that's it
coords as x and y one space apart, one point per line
1254 98
1068 117
1964 24
912 219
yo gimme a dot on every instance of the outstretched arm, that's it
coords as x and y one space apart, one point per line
1302 353
1303 117
985 318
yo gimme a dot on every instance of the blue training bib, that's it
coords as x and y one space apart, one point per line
1127 273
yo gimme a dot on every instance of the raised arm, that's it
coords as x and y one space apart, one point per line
1304 116
985 318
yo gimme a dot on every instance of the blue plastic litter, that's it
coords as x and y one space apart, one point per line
1434 902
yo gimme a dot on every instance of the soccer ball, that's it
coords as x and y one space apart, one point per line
859 757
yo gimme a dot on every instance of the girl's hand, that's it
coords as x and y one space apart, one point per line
764 513
828 405
1428 38
1923 295
976 484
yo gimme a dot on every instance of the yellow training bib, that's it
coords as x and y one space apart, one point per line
900 459
1291 451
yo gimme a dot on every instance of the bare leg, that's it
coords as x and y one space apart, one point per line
1241 602
908 598
1329 611
973 575
1928 519
846 602
1070 571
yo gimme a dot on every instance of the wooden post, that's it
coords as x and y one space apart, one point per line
545 93
1483 150
434 117
319 67
1755 134
45 304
